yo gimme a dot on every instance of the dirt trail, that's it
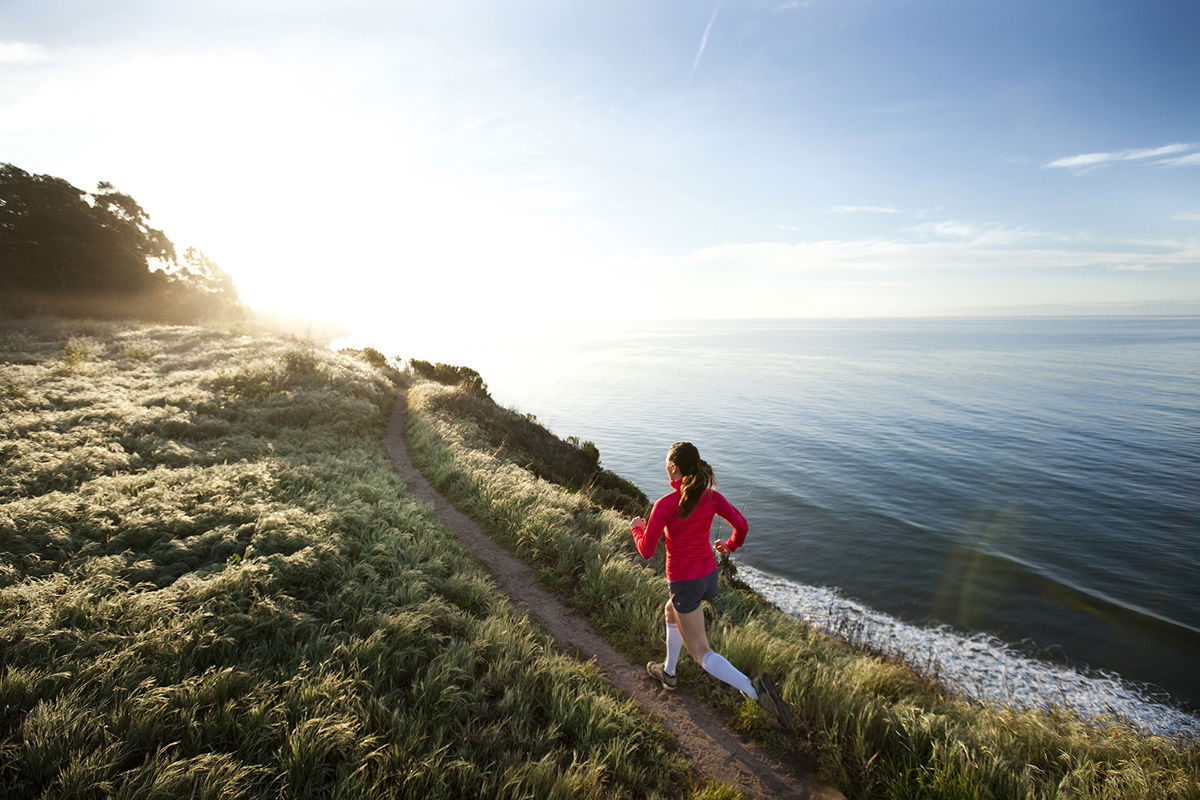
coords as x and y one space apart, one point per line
714 750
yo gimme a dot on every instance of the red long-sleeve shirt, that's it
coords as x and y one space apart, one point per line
689 553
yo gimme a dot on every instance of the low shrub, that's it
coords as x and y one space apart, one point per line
79 349
465 377
524 441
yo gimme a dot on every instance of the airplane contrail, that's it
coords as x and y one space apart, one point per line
704 40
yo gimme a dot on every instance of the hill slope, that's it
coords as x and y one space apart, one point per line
213 584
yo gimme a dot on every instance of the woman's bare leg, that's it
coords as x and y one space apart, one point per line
695 638
691 625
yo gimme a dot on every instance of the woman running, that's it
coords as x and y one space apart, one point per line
686 516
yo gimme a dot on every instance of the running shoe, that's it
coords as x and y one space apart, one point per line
770 699
659 674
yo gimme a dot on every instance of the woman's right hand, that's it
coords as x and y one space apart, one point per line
638 522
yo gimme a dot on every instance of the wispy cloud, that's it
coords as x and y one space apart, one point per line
1005 250
987 234
22 53
704 41
1190 160
1188 216
948 227
1088 161
862 210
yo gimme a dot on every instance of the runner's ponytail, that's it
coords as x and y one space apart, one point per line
697 478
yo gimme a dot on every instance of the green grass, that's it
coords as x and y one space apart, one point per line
876 728
213 585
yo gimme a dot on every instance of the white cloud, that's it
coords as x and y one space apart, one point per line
1190 160
22 53
1151 152
885 277
893 255
1089 161
989 234
1188 216
947 228
862 209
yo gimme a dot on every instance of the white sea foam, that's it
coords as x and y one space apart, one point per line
978 665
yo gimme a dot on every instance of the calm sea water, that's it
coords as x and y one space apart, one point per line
1012 502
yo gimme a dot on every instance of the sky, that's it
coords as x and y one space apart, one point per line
477 163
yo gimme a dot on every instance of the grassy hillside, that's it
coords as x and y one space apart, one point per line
876 728
213 585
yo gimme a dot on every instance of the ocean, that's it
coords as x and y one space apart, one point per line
1011 503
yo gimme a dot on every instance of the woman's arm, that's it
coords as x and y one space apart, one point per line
730 514
646 536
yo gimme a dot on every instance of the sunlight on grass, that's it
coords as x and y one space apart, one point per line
214 585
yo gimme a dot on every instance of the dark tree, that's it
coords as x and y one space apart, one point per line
198 288
68 251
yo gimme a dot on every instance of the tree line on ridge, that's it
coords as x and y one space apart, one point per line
75 253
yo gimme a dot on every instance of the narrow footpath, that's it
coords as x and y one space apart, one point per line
714 750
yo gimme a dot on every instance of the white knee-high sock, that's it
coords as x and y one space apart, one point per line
719 667
674 643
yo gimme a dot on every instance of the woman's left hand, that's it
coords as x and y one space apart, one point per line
722 548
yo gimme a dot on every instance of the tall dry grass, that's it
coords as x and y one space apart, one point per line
876 728
213 585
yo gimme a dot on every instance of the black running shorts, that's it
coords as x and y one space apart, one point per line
686 596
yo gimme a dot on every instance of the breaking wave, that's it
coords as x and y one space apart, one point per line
978 665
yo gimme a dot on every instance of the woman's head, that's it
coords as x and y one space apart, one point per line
695 475
684 456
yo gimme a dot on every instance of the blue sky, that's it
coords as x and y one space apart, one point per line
762 158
